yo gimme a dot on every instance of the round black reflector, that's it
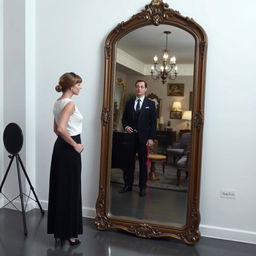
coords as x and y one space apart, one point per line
13 138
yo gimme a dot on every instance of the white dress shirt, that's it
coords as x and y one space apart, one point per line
141 102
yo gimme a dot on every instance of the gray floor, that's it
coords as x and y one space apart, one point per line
101 243
153 206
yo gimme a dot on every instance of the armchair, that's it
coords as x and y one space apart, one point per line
177 150
183 165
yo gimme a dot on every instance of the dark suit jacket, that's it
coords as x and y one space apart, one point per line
146 122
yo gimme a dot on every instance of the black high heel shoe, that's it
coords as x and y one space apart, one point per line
75 242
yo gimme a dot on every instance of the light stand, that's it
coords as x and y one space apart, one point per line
13 141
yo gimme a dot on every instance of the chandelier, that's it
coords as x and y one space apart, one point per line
168 69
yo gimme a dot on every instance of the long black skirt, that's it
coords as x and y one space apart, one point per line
65 204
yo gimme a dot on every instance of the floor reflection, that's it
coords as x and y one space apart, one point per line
101 243
165 202
57 251
159 205
120 243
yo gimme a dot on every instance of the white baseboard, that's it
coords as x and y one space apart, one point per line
1 202
89 212
44 204
30 205
228 234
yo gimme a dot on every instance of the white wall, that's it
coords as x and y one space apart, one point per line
228 149
13 79
30 90
18 93
70 37
66 42
1 90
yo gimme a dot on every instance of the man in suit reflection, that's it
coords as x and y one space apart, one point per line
139 119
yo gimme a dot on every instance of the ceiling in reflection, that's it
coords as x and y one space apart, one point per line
126 70
146 42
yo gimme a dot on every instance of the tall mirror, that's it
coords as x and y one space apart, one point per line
165 199
168 52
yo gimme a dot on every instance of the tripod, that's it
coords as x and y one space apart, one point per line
18 163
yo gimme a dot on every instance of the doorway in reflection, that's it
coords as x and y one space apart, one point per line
167 184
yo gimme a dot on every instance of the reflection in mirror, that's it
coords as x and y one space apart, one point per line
118 103
168 164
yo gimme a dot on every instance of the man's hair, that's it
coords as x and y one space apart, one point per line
140 80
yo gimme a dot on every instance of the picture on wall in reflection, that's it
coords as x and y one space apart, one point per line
175 89
175 114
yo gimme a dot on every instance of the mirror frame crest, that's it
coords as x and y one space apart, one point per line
155 13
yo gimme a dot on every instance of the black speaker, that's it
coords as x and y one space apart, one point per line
13 138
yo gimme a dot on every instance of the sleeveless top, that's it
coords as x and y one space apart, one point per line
74 125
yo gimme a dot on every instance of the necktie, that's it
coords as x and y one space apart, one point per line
137 109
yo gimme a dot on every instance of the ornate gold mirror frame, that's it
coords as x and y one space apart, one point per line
155 13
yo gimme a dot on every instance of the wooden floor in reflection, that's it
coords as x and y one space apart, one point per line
163 206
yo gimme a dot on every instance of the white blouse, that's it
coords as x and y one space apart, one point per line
74 125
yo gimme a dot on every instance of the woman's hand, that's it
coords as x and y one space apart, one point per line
79 148
150 143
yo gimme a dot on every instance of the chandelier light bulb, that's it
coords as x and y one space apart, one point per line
152 68
155 59
162 68
165 56
173 60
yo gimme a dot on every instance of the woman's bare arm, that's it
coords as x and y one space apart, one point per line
61 129
55 127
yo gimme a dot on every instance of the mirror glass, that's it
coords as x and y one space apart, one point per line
166 196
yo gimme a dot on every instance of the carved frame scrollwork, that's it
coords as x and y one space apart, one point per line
155 13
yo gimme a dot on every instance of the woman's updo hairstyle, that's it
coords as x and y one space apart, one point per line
68 80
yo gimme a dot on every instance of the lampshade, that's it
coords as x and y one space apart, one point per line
161 120
176 105
187 115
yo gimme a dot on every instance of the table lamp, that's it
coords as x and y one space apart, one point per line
187 115
176 106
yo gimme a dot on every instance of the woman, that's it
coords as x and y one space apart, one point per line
64 205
